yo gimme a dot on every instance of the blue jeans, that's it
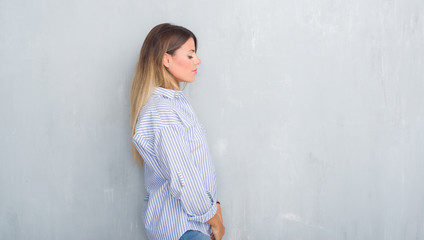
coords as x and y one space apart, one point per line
194 235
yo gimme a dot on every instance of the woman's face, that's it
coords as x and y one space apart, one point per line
183 64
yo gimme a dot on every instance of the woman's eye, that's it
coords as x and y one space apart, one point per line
190 57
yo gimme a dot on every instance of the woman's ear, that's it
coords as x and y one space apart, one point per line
166 60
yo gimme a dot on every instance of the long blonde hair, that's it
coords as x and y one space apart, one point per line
150 72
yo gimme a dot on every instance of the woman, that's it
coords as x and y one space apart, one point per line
167 137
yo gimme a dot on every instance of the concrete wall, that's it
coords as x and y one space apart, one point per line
314 112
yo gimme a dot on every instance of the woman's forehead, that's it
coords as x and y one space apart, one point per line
188 46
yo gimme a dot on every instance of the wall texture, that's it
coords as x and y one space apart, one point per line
314 112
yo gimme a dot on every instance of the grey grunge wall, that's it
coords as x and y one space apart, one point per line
313 110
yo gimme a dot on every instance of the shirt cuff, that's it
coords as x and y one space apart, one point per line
205 217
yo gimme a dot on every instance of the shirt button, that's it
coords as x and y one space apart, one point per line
183 185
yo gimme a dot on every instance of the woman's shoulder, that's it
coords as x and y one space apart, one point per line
156 114
159 109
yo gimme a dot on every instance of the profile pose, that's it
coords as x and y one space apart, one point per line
167 137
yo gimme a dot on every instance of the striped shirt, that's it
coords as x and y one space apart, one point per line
179 173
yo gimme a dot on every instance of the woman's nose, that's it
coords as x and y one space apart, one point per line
198 61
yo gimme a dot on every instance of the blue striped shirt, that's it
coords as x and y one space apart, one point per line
179 173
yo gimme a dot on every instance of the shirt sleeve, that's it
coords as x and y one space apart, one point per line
185 182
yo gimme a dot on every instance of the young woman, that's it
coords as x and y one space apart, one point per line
167 137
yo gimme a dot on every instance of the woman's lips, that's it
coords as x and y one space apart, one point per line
195 70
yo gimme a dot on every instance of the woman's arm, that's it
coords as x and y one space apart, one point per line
185 182
218 229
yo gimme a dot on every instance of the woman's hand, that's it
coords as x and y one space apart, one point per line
217 226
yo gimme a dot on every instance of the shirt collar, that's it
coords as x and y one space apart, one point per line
168 93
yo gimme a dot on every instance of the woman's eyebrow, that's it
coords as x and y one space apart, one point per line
191 50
